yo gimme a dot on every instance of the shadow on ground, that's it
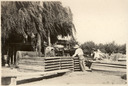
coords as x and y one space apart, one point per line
38 79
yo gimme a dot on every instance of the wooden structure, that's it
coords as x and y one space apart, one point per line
58 63
109 66
45 64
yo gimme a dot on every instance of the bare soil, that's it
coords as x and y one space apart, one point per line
78 78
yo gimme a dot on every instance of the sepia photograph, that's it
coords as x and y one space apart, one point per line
64 42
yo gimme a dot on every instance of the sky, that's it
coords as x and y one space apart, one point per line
100 21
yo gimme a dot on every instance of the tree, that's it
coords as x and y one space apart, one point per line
88 47
101 47
20 20
122 49
25 18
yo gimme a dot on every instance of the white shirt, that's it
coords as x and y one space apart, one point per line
97 54
78 52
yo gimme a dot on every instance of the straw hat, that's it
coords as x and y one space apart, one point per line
76 46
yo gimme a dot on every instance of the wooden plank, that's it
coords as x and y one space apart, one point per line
26 62
52 60
57 68
49 58
32 64
107 65
55 62
76 61
52 66
110 66
66 57
33 58
35 61
76 58
52 63
51 69
112 63
68 68
66 60
76 65
77 70
66 65
29 60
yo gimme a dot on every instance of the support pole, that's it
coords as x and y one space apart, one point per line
49 40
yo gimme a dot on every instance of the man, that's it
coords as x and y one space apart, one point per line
80 54
97 55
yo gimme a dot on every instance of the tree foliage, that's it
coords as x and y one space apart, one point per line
25 18
105 48
88 47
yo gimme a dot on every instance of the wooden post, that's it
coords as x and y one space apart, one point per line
39 45
49 40
9 81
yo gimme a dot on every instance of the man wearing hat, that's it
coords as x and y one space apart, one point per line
80 54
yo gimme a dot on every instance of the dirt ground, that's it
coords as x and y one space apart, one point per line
78 78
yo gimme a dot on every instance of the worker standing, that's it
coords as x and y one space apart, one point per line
80 54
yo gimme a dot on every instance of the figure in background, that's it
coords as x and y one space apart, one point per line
98 55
